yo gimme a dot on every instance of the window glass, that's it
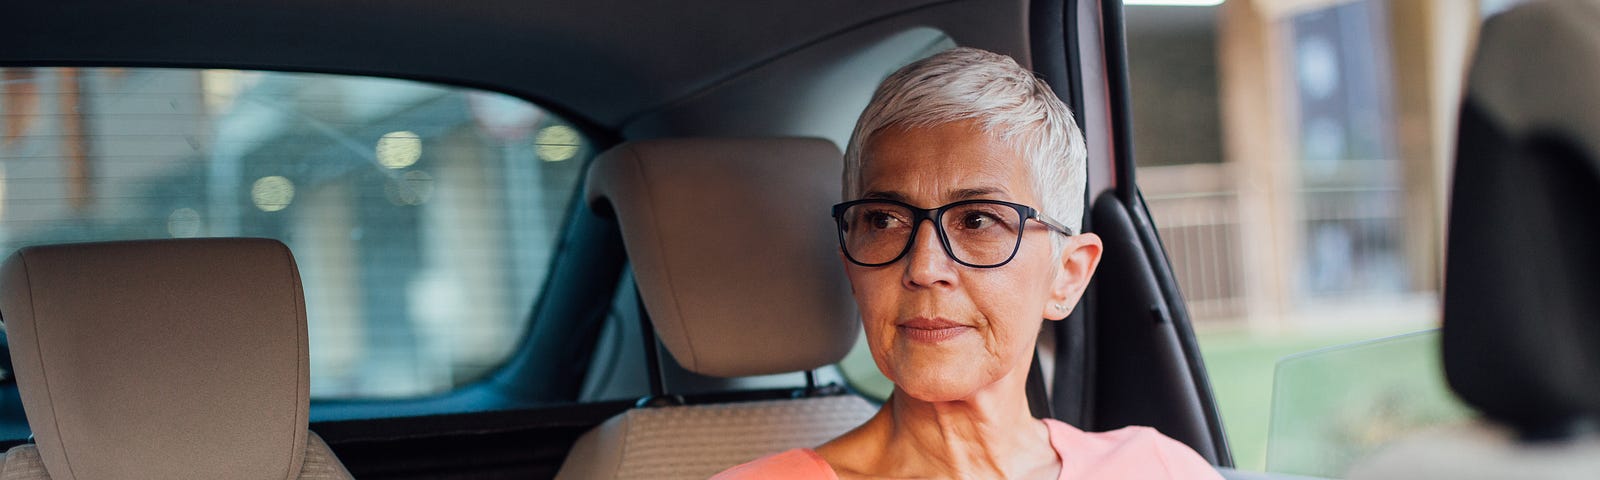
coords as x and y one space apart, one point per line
1333 406
1294 157
422 216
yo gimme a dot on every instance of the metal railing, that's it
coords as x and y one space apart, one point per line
1343 241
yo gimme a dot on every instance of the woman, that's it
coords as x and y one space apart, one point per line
952 267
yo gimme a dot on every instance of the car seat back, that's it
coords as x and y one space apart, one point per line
1521 337
737 267
161 359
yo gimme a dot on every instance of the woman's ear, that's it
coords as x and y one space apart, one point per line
1079 257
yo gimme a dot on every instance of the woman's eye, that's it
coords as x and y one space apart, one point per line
977 220
882 220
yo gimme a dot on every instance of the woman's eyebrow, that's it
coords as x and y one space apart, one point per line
882 195
962 194
969 193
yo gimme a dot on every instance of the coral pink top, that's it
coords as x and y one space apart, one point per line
1131 452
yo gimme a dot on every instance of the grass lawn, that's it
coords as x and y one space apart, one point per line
1241 366
1345 402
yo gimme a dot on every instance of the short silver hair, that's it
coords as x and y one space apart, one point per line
1007 101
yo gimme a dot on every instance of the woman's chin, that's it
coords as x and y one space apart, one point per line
950 371
934 395
940 386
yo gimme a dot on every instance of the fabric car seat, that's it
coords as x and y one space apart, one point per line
1521 329
737 266
161 359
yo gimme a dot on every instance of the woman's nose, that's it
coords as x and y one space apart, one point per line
927 264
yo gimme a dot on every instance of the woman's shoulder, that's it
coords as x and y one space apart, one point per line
1128 452
797 464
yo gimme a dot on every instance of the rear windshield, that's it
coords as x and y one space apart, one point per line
422 216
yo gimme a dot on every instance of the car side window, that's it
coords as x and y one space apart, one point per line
1294 159
423 217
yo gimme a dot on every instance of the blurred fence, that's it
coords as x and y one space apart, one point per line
1342 242
1201 234
1196 210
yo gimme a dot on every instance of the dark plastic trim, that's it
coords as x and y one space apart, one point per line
1177 312
1116 54
1128 193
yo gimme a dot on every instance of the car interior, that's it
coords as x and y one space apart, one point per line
697 311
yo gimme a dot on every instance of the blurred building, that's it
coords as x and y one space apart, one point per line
1294 154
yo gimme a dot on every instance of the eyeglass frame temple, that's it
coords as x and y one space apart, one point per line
1054 225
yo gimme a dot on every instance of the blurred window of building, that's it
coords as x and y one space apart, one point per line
1293 154
423 217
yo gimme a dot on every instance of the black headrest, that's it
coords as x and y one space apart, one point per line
1521 334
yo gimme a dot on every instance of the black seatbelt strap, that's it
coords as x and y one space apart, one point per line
1038 396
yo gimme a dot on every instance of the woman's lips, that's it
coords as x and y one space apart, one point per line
931 330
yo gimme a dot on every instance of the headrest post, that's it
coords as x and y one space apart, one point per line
652 355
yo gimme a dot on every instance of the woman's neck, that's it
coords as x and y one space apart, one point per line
988 435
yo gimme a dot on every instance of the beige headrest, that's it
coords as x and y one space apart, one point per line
160 359
733 249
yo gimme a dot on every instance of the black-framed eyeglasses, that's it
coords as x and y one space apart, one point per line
975 233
